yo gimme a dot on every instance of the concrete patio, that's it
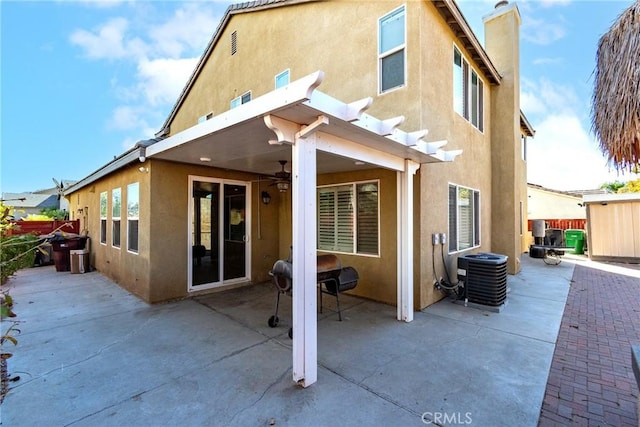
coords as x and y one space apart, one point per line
92 354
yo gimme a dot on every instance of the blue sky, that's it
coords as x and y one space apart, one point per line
82 81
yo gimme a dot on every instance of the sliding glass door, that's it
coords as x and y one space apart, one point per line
218 240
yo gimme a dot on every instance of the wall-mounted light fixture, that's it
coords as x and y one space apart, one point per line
266 198
143 169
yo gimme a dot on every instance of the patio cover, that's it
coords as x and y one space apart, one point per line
318 134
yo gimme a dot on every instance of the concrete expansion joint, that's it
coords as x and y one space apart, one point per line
362 386
115 404
267 389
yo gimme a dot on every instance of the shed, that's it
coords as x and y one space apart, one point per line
613 227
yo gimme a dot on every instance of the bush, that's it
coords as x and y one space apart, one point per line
16 252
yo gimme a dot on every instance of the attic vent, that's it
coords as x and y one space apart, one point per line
234 42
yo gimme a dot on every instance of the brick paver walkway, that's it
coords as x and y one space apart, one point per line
591 382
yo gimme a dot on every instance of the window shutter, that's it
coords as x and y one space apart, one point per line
476 218
480 105
326 220
344 226
367 221
453 219
465 89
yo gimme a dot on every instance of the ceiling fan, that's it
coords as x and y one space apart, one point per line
282 178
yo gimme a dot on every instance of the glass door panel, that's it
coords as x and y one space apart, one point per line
205 235
235 225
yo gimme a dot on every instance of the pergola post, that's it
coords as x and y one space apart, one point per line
305 323
405 241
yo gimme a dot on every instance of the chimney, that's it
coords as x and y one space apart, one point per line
502 43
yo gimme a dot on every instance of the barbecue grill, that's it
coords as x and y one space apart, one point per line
329 273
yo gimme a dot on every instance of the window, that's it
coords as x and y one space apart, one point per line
243 99
468 91
116 209
282 79
133 209
464 218
391 50
206 117
103 218
348 218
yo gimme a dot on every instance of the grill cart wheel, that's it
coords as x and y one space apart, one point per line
273 321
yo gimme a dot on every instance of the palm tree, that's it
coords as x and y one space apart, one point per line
615 111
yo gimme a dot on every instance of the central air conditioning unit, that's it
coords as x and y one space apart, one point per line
485 279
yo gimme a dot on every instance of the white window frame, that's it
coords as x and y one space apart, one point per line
468 100
454 224
354 220
284 74
242 99
393 50
133 214
104 210
206 117
116 213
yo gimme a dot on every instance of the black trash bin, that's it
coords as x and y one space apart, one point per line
62 246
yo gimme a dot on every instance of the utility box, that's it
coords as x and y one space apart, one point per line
79 261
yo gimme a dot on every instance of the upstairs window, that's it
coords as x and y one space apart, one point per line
391 50
242 99
282 79
206 117
103 217
464 218
468 91
348 218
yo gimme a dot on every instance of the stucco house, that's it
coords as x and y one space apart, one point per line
399 129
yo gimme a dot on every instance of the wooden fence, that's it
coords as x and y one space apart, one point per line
563 224
44 227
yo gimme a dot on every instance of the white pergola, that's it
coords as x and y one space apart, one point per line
321 134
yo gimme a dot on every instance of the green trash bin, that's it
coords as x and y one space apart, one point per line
574 239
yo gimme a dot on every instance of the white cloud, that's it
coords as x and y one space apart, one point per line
542 31
127 117
548 61
190 27
161 80
109 41
550 3
563 155
163 49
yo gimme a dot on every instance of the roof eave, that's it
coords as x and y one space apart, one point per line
525 125
458 24
233 9
114 165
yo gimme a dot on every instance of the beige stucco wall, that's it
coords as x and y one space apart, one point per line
377 274
426 101
503 45
128 269
305 38
161 274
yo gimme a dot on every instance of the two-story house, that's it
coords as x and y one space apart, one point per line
371 130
